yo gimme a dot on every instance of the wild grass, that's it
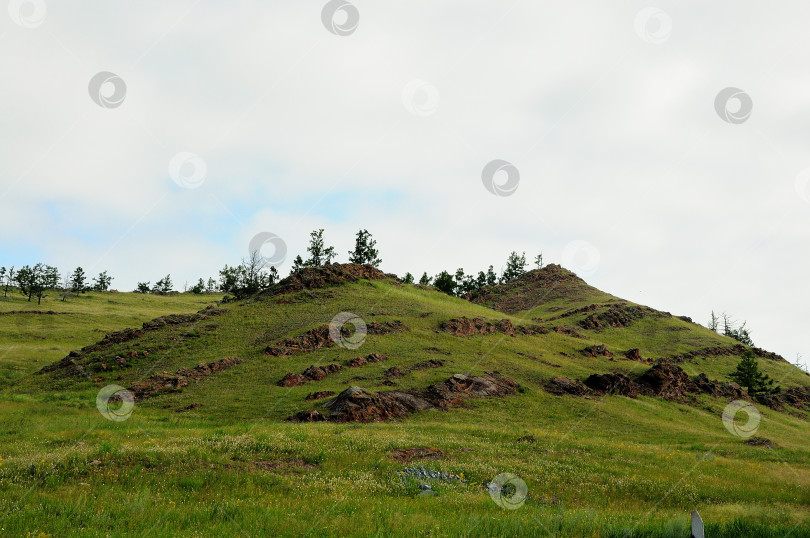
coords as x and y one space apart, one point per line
601 466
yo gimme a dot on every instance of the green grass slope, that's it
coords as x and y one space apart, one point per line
218 456
33 335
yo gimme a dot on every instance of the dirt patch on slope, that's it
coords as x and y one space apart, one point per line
405 455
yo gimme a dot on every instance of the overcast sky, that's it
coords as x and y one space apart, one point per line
216 123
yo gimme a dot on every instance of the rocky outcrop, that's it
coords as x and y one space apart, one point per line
328 275
468 327
562 385
71 364
356 404
313 373
166 382
311 340
599 350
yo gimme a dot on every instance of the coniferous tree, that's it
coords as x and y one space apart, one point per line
163 286
298 263
102 281
78 281
318 254
408 279
425 280
515 267
143 287
749 376
538 261
492 277
365 251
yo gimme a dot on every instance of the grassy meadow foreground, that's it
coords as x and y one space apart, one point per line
218 455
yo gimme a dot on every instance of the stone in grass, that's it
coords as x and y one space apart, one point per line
425 490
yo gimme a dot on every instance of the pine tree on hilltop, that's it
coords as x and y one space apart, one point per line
318 254
364 250
78 281
425 280
102 281
749 376
515 267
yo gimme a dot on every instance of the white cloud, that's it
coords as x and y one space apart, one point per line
616 139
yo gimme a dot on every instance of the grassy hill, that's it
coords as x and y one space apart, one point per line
209 444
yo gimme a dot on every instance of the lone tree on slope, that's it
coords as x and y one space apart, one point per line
749 376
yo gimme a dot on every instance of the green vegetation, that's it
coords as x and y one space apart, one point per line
749 376
218 455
